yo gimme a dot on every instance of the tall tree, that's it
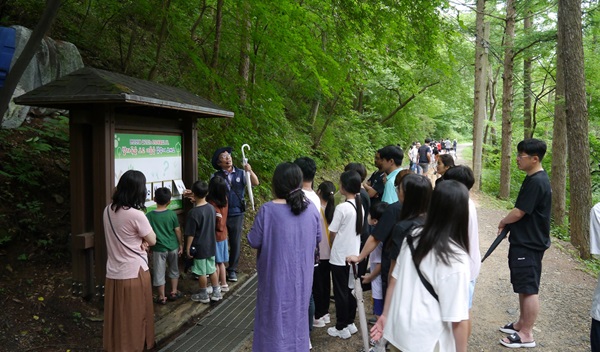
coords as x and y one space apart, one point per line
162 36
245 48
558 177
480 92
527 92
569 22
17 70
507 100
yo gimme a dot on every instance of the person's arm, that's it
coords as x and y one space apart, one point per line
369 247
188 245
460 331
370 190
377 329
372 275
515 215
179 239
331 237
150 238
253 177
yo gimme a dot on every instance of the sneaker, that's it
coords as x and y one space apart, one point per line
209 290
319 323
344 333
309 344
326 318
201 297
232 276
224 288
216 295
352 329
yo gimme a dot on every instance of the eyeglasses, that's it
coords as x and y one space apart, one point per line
224 156
521 156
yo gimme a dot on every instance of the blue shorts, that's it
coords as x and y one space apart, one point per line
377 306
222 255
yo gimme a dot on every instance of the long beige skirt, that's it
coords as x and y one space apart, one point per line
128 314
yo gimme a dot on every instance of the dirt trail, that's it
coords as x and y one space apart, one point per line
565 296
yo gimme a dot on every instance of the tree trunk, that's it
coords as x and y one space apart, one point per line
161 39
507 100
15 73
479 96
314 111
569 21
527 130
217 43
245 47
558 178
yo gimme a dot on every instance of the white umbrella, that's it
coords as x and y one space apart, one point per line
248 181
360 303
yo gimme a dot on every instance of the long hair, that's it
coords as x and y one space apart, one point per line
326 191
287 184
130 192
351 182
217 191
417 194
447 220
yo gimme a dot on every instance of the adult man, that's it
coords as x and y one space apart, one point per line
375 184
529 223
391 159
595 249
236 182
424 153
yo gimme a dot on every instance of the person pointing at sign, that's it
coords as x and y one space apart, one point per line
236 183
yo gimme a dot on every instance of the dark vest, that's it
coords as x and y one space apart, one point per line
237 187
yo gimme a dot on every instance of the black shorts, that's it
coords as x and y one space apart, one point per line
525 266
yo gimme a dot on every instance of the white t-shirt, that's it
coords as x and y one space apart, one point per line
416 321
376 285
323 244
595 249
474 252
346 241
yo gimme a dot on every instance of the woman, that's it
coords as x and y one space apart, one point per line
286 232
128 310
418 318
444 162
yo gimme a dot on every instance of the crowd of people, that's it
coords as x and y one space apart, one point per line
416 228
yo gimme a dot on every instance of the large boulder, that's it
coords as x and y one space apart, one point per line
53 59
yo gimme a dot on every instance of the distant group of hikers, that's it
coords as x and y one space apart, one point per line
421 241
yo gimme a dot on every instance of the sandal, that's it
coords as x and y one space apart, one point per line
161 301
509 328
173 296
514 341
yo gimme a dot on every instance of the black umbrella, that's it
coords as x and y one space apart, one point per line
496 242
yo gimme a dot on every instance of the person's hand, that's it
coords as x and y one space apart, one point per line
501 226
377 329
189 195
352 259
180 251
366 279
247 167
145 246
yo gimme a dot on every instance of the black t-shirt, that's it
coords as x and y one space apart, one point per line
383 231
400 231
535 199
423 151
200 224
376 181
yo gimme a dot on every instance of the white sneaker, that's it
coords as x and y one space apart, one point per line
352 329
326 318
319 323
216 294
209 289
309 344
344 333
224 288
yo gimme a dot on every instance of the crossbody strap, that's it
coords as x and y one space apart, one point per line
231 187
426 283
117 236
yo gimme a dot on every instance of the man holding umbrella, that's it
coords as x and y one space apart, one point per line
236 182
529 223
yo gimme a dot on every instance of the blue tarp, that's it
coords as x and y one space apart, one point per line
7 50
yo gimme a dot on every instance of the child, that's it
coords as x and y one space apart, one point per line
374 277
200 232
169 245
345 230
217 197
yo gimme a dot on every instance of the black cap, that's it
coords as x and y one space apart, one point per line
215 157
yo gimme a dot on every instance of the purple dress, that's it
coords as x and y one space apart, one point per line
286 247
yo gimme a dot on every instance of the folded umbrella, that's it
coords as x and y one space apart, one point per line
360 304
496 242
248 180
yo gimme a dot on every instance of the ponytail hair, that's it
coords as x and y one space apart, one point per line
351 182
326 191
287 184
